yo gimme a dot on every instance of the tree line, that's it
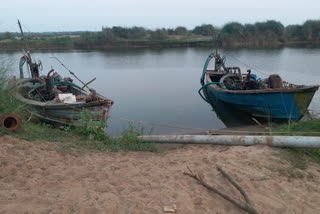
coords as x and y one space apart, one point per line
233 33
259 33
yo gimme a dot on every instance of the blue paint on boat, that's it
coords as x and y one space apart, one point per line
275 105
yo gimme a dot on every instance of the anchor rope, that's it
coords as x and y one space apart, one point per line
158 124
249 66
208 131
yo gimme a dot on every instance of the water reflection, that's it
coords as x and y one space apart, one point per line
228 114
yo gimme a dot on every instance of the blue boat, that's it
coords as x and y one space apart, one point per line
267 98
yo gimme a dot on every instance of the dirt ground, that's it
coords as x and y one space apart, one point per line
35 178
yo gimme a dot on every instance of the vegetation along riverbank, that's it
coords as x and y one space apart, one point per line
233 34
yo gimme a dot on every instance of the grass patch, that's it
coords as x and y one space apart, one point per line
129 141
70 140
8 103
297 161
291 173
298 158
309 128
291 164
295 157
305 128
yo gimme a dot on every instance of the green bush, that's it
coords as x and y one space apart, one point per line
232 28
6 35
95 136
8 102
129 141
311 30
159 34
258 33
94 130
137 33
181 31
120 32
107 34
204 30
294 32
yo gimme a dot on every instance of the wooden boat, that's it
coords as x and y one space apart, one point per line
271 97
31 93
56 99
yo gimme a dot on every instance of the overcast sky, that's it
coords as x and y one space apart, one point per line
73 15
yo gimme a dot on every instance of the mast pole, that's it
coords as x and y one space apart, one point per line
25 42
34 67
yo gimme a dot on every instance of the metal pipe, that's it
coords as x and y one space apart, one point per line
10 122
236 140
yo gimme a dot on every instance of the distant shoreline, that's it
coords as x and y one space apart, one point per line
12 46
266 34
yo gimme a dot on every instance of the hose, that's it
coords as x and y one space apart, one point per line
204 86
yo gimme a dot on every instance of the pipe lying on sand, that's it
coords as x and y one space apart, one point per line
10 122
236 140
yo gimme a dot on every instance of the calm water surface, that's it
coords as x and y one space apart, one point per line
161 85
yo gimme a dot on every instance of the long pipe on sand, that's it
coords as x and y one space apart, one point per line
236 140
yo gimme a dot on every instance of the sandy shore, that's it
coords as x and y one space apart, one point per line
34 178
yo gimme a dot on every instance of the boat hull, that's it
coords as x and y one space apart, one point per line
65 113
73 114
282 105
70 115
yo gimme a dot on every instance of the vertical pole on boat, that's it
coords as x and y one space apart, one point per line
34 67
25 42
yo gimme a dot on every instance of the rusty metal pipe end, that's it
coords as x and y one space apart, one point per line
11 122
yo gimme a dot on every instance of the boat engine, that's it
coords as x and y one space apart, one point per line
275 81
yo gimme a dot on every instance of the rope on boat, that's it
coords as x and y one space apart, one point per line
157 124
252 67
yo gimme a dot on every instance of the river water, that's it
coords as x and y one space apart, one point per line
160 86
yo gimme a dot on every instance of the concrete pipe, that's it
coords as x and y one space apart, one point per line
10 122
